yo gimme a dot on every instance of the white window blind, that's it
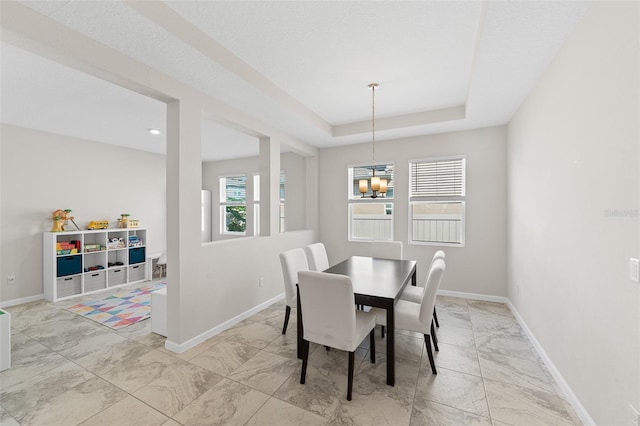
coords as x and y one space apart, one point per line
438 178
437 201
234 189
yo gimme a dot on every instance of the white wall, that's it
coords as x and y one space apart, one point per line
42 172
480 266
573 163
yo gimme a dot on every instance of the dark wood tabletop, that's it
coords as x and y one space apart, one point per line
384 278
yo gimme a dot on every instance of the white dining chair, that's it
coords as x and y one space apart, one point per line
418 316
292 261
414 293
387 250
329 318
161 264
317 257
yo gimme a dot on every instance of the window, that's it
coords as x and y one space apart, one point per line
233 204
437 201
256 204
370 218
281 209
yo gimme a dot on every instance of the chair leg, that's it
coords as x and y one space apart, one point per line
435 317
434 337
305 358
427 341
350 379
382 328
372 345
286 319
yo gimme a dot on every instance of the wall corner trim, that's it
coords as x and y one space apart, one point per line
564 386
20 301
183 347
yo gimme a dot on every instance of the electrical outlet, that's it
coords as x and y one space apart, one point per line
11 279
633 269
634 416
260 282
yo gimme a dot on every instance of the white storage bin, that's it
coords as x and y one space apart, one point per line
69 286
96 280
136 273
117 276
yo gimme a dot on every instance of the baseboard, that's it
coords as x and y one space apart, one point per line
20 301
183 347
473 296
562 383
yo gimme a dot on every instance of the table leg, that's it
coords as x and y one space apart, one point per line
413 278
391 346
299 323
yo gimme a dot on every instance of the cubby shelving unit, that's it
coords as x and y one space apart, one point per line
92 261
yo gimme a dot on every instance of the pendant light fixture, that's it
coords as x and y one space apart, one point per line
377 184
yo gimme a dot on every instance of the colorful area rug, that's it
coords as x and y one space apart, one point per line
121 309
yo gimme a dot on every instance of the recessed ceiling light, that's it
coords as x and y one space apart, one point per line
154 132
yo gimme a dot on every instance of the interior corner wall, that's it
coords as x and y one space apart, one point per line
480 266
573 211
42 172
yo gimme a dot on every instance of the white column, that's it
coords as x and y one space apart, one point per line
269 186
184 181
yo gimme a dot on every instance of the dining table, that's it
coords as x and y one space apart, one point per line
376 283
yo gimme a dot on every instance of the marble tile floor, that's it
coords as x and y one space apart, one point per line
68 370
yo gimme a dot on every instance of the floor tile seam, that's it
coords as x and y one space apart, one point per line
274 396
461 372
484 351
250 387
545 378
456 408
567 415
525 389
484 384
100 378
259 408
415 389
458 371
118 401
393 388
241 365
174 414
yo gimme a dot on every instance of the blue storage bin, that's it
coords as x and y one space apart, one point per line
69 265
136 255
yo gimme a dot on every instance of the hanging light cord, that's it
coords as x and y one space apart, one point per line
373 87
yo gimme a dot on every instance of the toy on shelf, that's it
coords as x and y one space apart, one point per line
116 243
135 241
98 224
67 247
60 219
125 222
88 248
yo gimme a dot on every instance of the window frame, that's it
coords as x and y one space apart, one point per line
437 199
355 200
224 204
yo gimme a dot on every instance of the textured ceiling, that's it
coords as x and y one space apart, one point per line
302 67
